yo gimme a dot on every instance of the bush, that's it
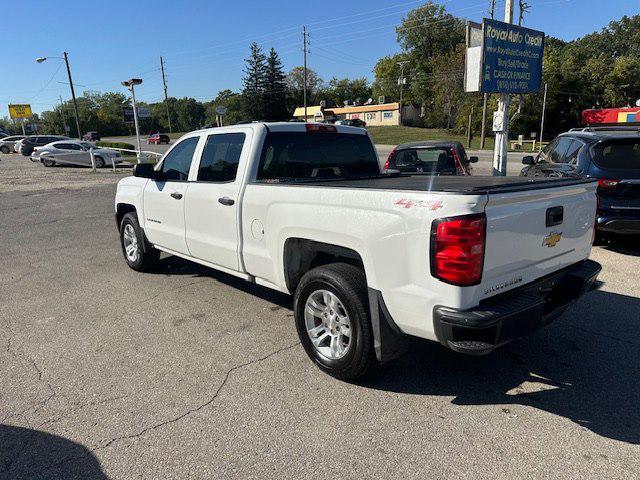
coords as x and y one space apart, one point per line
126 146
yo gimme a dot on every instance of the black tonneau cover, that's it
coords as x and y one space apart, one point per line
470 185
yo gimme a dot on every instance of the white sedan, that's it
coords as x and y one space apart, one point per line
74 152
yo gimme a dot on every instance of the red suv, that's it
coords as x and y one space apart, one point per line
158 138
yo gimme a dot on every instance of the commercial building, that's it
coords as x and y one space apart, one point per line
373 115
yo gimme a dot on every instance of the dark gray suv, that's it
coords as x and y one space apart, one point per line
610 154
33 141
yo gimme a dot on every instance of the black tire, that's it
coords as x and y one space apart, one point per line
99 161
147 255
349 284
4 149
26 153
48 162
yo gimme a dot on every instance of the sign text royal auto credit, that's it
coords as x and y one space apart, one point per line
512 58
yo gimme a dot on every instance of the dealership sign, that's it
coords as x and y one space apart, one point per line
503 58
143 112
20 111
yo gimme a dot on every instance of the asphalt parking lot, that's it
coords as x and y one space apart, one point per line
190 373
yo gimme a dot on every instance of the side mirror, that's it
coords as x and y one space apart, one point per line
473 159
528 160
145 170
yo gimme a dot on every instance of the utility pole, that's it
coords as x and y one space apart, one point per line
304 49
166 100
485 96
64 117
401 82
73 95
502 136
544 108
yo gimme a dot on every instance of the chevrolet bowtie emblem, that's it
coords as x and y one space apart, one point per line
552 239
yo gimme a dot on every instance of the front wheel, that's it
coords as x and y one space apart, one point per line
48 162
138 253
332 319
99 162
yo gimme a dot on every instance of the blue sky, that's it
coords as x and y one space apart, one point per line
204 42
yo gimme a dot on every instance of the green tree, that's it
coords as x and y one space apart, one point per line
254 83
387 73
275 99
190 114
234 104
295 84
344 89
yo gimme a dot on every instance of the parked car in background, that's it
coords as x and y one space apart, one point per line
7 144
430 157
91 137
27 144
3 135
74 152
158 138
352 122
612 155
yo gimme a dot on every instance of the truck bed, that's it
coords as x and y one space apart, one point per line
470 185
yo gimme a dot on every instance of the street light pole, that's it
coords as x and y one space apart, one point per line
130 84
544 108
73 93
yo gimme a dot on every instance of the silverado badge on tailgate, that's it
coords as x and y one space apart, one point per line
552 239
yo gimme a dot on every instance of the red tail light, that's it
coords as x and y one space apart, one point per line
605 183
389 158
321 127
457 249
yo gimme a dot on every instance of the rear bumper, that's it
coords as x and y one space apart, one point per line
625 224
514 314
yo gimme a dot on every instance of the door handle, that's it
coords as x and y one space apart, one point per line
176 195
226 201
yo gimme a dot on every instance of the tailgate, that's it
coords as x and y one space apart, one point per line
535 232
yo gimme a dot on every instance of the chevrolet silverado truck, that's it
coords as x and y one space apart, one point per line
370 259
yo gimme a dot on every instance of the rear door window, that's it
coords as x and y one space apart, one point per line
573 150
622 154
177 162
220 157
433 159
302 155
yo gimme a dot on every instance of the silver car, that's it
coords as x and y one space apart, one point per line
74 152
7 144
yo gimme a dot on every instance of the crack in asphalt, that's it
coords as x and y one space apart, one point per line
179 287
215 395
201 406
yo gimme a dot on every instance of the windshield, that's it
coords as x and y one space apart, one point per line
431 159
302 155
618 154
86 145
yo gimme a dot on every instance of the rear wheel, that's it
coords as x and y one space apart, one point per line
332 319
4 149
137 251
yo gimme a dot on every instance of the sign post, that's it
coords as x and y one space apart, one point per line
506 60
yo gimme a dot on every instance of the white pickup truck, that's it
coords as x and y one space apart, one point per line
470 262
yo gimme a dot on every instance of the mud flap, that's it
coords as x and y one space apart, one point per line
389 342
